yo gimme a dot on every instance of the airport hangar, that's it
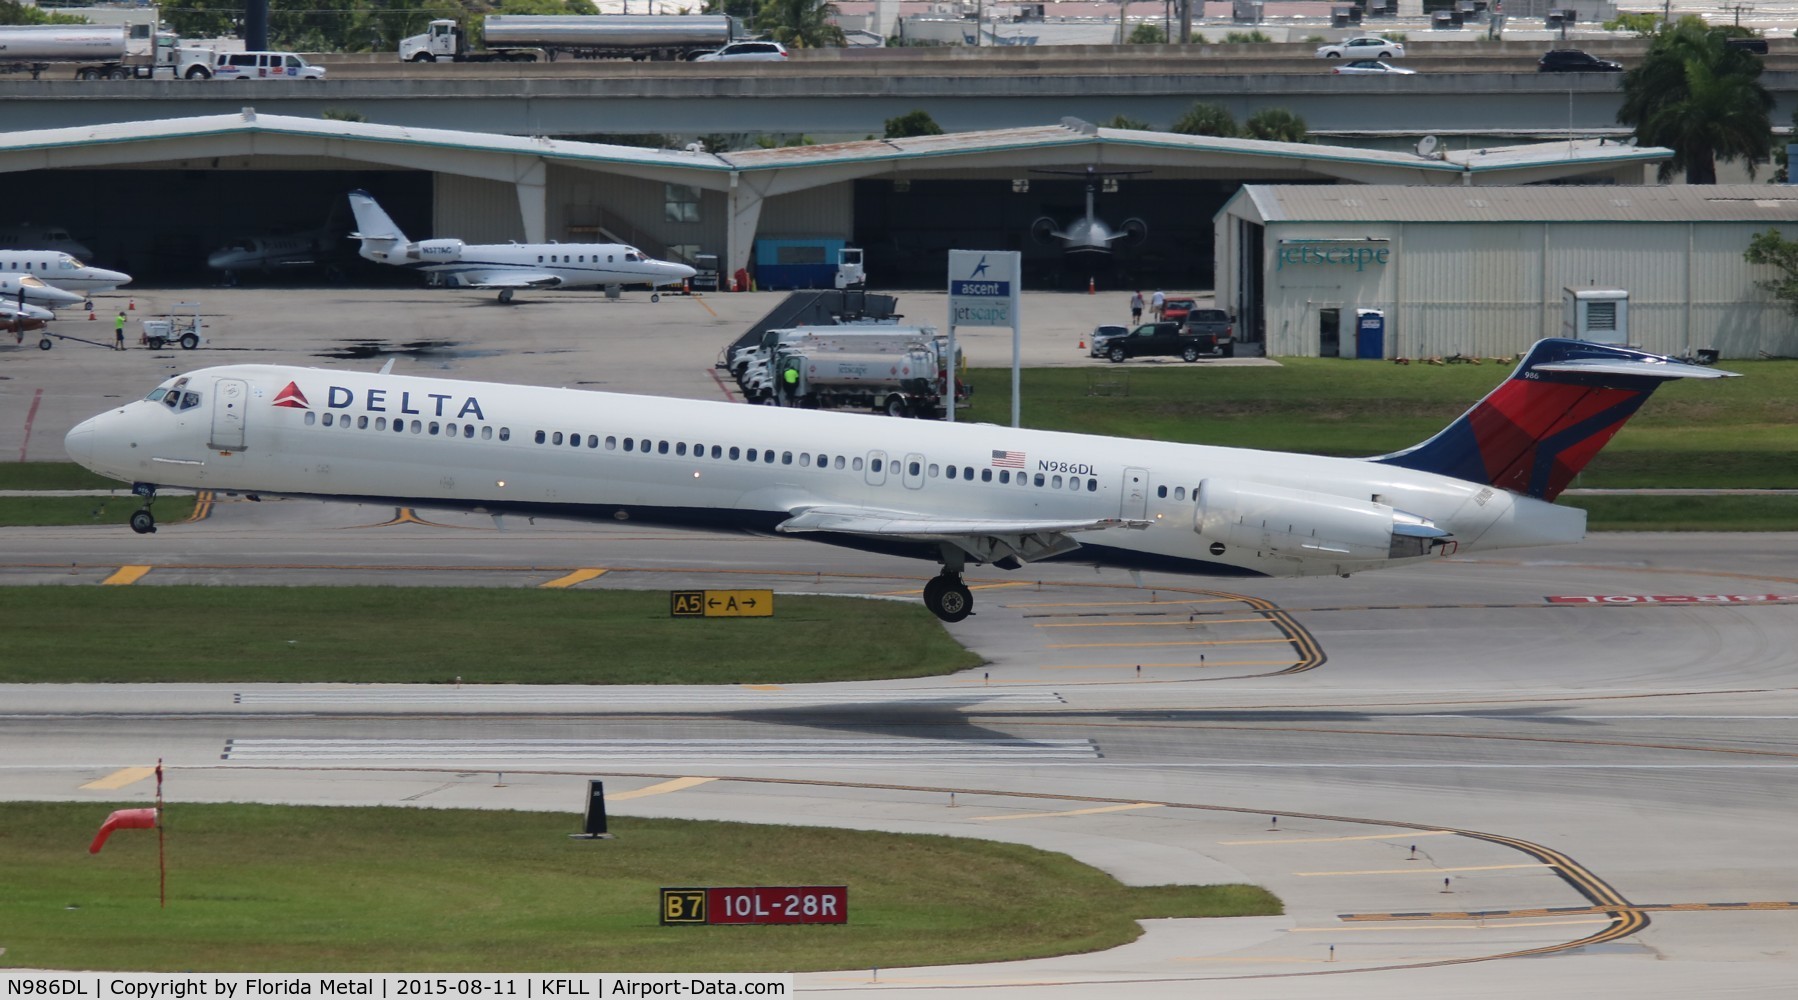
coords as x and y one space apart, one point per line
154 197
1486 272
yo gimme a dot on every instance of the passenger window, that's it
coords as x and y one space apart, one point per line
805 459
449 430
467 431
680 447
380 423
1005 475
433 428
539 437
416 427
933 470
1179 493
768 456
611 442
505 433
1055 483
327 419
1092 486
311 418
1161 491
574 440
486 433
362 423
949 471
556 438
786 458
1039 480
734 453
986 475
912 469
661 447
717 452
839 462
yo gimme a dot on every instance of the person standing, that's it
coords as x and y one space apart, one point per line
1136 308
1156 303
118 332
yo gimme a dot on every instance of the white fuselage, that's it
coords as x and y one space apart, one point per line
506 448
61 270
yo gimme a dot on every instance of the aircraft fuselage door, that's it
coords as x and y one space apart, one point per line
877 468
914 472
229 405
1135 501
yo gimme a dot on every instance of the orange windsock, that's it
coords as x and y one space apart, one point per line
123 819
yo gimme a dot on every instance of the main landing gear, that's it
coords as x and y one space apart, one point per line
142 521
945 595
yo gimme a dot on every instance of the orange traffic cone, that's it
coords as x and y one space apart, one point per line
91 316
1083 343
1091 289
132 305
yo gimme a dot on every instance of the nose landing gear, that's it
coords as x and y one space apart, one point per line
142 521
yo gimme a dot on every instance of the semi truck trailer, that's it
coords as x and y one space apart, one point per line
523 37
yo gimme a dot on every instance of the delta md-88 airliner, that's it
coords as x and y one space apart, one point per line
956 494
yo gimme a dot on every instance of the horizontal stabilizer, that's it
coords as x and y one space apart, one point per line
860 521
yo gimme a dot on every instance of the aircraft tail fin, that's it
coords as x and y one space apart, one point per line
380 237
1539 428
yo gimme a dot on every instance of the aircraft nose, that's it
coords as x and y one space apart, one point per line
79 443
682 272
116 277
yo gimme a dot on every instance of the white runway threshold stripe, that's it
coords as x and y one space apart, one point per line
838 751
601 700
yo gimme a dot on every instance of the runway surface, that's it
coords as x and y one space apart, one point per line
1431 767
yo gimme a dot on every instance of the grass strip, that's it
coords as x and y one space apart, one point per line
1688 513
51 476
435 634
58 511
257 888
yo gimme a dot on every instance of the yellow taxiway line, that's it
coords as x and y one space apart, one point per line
676 785
1396 835
578 576
120 778
1075 812
125 576
1428 871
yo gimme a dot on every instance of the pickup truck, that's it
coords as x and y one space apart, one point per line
1158 339
1215 325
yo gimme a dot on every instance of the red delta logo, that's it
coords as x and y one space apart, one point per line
293 397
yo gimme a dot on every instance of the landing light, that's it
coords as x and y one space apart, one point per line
501 482
695 473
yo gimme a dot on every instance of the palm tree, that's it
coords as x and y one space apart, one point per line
1277 124
1695 95
802 24
1206 119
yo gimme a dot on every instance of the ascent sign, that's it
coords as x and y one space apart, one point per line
721 603
983 287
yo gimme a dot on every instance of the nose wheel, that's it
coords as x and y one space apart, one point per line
143 522
948 598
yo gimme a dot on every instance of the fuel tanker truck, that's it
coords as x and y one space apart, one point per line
100 52
524 37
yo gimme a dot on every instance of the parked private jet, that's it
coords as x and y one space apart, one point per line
509 266
25 236
1089 234
60 270
16 287
315 248
956 494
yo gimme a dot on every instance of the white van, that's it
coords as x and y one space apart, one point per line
264 66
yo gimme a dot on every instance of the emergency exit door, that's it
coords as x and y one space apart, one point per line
229 401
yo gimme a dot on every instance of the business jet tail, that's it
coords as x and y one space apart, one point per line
1540 427
382 241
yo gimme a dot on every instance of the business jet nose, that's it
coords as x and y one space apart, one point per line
79 443
679 272
116 278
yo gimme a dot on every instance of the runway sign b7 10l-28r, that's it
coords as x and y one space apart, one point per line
761 904
721 603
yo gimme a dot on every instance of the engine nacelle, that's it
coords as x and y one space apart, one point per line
1280 523
429 250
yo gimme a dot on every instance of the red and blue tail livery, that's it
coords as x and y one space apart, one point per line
1540 427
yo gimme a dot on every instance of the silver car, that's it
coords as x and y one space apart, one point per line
746 52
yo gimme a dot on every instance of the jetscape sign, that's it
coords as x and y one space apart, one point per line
1358 255
1617 599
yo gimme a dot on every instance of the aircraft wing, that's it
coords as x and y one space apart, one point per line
986 540
507 279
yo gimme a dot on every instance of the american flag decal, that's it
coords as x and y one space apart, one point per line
1008 460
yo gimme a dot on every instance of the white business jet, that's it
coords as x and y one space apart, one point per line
509 266
22 287
61 270
953 493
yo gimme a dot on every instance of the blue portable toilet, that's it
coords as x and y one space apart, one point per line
1370 334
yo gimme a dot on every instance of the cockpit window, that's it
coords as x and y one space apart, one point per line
156 394
633 256
172 400
189 400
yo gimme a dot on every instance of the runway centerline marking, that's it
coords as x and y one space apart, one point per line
1429 871
578 576
1396 835
124 576
676 785
120 778
1195 642
1075 812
